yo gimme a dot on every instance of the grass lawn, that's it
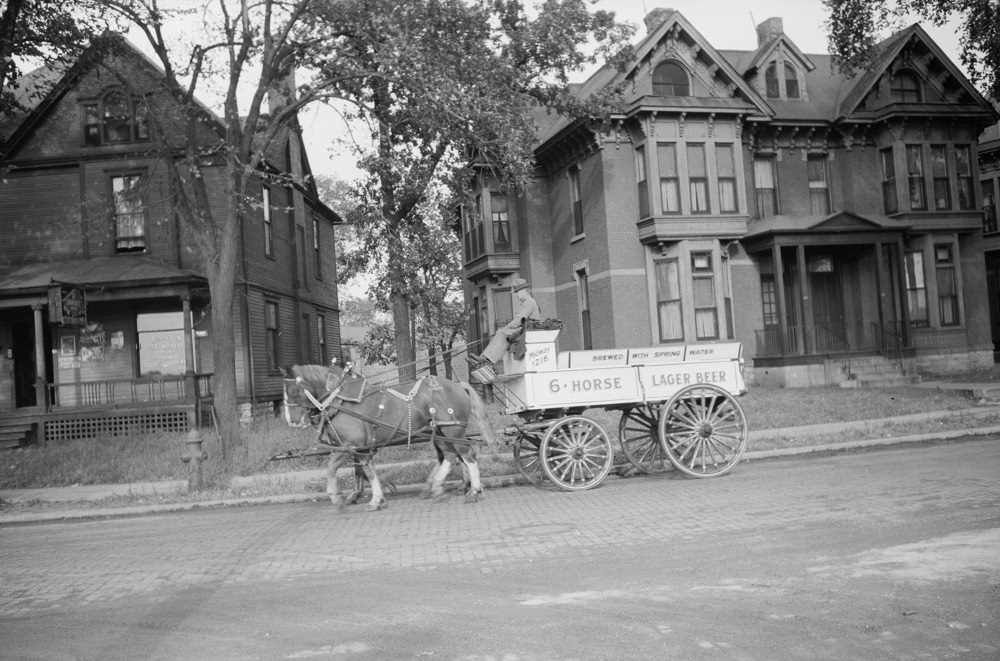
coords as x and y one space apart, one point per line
156 457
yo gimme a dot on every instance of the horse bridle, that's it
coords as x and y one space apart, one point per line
321 406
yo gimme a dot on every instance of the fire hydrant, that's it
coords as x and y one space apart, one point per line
194 457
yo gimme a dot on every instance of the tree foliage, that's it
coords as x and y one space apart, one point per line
446 81
47 32
855 26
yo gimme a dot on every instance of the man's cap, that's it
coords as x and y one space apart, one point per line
517 284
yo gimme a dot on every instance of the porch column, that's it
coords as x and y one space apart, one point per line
779 284
904 300
189 378
40 389
808 323
882 281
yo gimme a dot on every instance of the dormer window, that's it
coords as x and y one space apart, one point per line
771 81
781 81
117 118
905 88
791 82
670 79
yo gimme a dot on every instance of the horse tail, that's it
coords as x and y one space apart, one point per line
480 415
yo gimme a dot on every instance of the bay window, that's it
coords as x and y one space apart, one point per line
916 289
668 300
670 192
915 177
697 178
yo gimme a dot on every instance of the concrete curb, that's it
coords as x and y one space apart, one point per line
300 479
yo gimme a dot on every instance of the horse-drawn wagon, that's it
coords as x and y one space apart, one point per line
677 403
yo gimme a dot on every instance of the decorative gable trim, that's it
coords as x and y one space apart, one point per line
676 38
897 52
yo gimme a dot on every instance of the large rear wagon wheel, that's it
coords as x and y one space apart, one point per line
638 434
527 459
576 453
703 431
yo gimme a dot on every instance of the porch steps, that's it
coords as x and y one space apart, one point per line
15 434
876 372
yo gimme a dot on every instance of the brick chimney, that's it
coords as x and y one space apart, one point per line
656 18
769 29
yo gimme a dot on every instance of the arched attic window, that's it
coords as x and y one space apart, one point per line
118 117
670 79
791 82
771 81
905 88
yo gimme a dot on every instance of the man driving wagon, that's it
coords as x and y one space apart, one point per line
505 335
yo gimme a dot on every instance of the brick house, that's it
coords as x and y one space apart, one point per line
105 318
829 224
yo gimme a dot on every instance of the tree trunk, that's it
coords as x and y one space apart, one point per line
222 268
406 358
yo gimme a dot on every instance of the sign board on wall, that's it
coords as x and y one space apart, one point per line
67 306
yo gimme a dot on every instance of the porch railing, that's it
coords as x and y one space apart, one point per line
830 338
886 338
889 339
113 392
771 341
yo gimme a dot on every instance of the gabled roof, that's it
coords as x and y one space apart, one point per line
109 42
888 51
766 53
673 23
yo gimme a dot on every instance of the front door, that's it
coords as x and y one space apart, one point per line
24 364
828 310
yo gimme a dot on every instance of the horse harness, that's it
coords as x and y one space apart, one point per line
336 392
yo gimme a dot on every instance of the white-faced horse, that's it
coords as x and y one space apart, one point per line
360 422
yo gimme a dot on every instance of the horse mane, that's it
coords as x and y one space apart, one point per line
315 376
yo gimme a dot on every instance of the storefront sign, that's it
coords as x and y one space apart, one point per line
67 306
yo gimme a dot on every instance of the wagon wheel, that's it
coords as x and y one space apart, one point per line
703 430
576 453
526 457
637 432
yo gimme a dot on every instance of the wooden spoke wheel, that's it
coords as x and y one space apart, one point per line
703 431
576 453
526 457
638 434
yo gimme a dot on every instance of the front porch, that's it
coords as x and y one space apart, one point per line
834 297
111 407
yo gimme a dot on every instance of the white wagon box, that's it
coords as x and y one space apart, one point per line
547 379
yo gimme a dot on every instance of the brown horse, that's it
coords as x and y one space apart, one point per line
360 422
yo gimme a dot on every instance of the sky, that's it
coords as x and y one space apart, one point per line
803 22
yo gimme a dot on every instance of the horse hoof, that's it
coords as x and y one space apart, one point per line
353 498
473 496
374 507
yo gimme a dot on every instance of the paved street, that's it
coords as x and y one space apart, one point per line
880 554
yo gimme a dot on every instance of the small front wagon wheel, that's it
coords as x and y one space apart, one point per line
703 431
526 457
576 453
637 431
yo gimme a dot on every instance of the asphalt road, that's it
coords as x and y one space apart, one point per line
888 554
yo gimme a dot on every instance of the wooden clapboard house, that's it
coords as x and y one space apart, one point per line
105 317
